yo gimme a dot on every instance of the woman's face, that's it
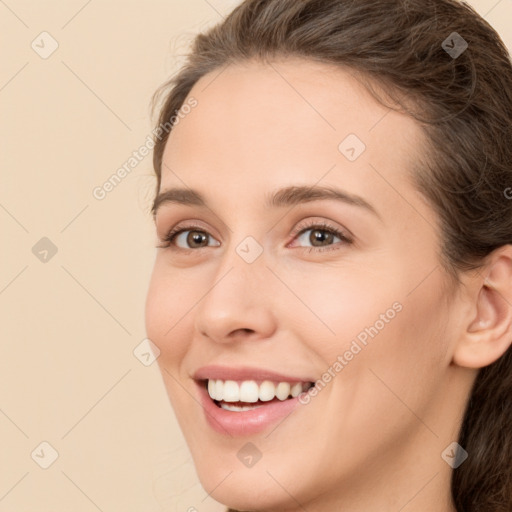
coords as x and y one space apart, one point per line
276 279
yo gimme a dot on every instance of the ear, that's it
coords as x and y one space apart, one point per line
488 329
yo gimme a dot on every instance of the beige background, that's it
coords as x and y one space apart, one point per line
68 373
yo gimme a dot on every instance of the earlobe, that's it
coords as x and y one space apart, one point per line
489 332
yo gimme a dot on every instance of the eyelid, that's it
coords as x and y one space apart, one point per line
184 225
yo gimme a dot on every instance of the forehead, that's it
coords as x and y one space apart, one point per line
288 121
289 103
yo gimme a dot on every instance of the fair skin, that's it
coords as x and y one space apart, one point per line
372 439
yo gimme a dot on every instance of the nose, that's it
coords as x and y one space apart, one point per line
238 304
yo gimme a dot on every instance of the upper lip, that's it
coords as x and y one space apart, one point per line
244 373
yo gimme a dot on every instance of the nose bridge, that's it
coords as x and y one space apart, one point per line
236 298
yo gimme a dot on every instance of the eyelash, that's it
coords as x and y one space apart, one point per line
168 240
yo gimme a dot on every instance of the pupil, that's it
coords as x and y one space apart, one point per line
319 235
195 237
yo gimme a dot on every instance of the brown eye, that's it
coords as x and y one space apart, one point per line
320 236
189 238
196 239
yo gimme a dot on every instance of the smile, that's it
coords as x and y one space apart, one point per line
243 401
236 396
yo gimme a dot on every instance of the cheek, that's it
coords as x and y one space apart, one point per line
341 304
167 304
400 368
379 342
166 323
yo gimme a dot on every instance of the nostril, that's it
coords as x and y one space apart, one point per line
242 330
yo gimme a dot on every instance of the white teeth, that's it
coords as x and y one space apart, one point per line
211 388
296 389
267 391
249 391
283 390
238 408
219 389
231 391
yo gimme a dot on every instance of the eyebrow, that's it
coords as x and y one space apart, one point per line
287 196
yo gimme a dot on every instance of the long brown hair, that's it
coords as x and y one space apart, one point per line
462 97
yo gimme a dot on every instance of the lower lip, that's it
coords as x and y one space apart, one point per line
242 423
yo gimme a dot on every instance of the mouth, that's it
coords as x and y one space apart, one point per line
242 401
246 395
